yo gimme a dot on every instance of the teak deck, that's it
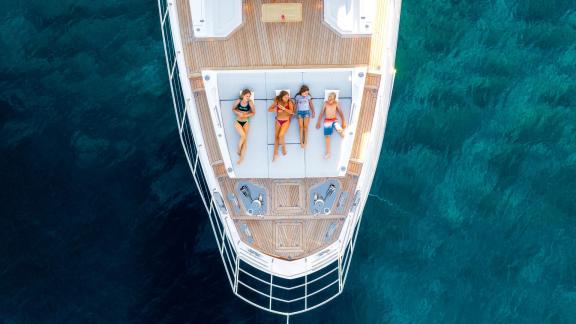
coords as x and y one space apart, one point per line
286 232
256 44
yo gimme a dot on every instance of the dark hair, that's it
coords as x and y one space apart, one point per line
281 95
303 88
244 92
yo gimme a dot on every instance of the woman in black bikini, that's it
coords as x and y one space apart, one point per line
244 109
284 108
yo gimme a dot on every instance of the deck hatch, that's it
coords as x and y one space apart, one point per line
289 237
289 197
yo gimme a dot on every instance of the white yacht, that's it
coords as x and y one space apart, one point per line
285 229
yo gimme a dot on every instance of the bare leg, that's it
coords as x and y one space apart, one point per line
242 134
281 136
327 156
276 133
339 129
305 132
301 124
246 128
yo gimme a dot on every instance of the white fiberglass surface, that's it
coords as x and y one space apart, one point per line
350 17
230 85
298 162
291 165
282 81
215 18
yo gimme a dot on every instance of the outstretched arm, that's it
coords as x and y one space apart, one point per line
312 108
320 115
272 107
341 115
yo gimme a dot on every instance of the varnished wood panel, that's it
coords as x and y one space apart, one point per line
372 81
289 237
354 167
219 169
288 197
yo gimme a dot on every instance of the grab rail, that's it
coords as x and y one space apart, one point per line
351 113
217 116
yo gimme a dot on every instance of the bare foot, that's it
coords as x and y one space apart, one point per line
283 149
341 132
274 157
302 145
326 156
239 161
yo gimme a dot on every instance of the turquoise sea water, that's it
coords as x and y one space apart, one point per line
471 218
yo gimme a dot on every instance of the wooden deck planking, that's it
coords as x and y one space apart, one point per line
289 239
378 36
256 44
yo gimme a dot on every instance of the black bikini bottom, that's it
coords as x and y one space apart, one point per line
241 122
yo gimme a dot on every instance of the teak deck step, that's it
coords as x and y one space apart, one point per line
354 167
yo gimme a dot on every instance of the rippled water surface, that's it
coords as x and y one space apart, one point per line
471 219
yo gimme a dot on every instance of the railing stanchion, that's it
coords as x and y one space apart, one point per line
340 271
271 281
306 292
237 273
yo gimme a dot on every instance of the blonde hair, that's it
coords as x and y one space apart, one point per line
332 94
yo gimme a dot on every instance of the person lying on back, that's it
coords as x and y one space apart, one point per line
331 108
243 108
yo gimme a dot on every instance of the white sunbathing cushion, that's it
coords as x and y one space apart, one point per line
327 92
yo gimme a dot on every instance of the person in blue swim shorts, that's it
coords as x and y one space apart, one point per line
305 109
331 108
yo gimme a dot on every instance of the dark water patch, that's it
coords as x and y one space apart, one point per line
534 10
7 111
542 36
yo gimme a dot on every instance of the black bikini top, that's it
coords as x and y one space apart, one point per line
243 108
